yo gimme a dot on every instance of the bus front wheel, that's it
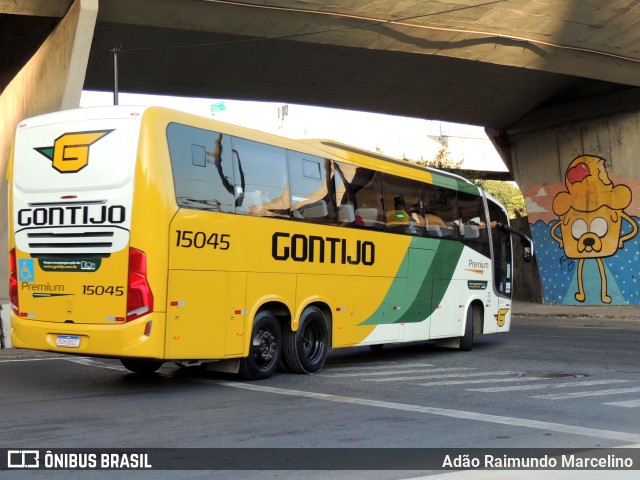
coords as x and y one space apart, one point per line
305 350
473 316
265 348
142 366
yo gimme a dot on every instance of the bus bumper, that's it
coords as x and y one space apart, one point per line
143 337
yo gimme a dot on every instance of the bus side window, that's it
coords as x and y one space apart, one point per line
403 205
358 197
441 212
261 183
473 223
311 184
202 170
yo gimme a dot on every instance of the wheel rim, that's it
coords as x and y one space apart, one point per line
265 347
311 342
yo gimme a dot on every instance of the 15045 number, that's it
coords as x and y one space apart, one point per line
102 290
189 239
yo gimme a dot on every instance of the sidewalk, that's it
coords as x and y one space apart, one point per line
617 312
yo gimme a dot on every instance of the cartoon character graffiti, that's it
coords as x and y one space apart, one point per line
591 214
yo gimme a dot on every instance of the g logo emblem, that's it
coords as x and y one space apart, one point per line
502 316
70 152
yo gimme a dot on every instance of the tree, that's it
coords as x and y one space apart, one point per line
507 194
442 160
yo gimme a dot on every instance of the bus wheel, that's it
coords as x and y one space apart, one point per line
265 348
141 365
305 350
466 341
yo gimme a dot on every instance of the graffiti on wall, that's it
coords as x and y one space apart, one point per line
586 239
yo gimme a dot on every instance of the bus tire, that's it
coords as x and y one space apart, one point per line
265 348
142 366
305 350
466 341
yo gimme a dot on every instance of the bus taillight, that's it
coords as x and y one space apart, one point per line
139 295
13 280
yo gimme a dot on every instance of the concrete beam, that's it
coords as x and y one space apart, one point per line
38 8
576 38
52 80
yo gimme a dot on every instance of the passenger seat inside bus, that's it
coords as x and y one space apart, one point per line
346 213
435 225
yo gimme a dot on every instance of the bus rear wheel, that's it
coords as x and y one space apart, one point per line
142 366
305 350
265 348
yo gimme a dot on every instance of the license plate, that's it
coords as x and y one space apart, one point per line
68 341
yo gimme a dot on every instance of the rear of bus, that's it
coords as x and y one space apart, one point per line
78 281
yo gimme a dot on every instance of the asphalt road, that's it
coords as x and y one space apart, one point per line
549 383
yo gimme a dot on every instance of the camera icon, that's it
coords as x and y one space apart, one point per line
23 459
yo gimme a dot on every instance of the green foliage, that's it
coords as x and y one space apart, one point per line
442 161
507 194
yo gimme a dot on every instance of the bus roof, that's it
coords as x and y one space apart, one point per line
318 147
438 176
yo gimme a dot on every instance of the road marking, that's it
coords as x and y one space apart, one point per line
590 328
627 403
373 366
94 363
446 412
514 388
595 393
429 377
511 388
372 373
482 380
32 359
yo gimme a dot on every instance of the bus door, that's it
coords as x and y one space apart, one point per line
502 268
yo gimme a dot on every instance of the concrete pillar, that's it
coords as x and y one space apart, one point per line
578 167
52 80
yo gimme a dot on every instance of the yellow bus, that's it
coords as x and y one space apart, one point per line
151 235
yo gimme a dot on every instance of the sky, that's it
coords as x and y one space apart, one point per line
395 136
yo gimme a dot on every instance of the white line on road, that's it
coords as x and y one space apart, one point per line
372 367
511 388
95 363
515 388
595 393
627 403
599 327
32 359
446 412
429 377
482 380
385 373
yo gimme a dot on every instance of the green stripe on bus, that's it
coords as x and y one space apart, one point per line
423 288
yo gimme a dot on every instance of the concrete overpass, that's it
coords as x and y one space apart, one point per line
550 81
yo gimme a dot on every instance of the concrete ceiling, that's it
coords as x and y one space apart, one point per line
484 62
